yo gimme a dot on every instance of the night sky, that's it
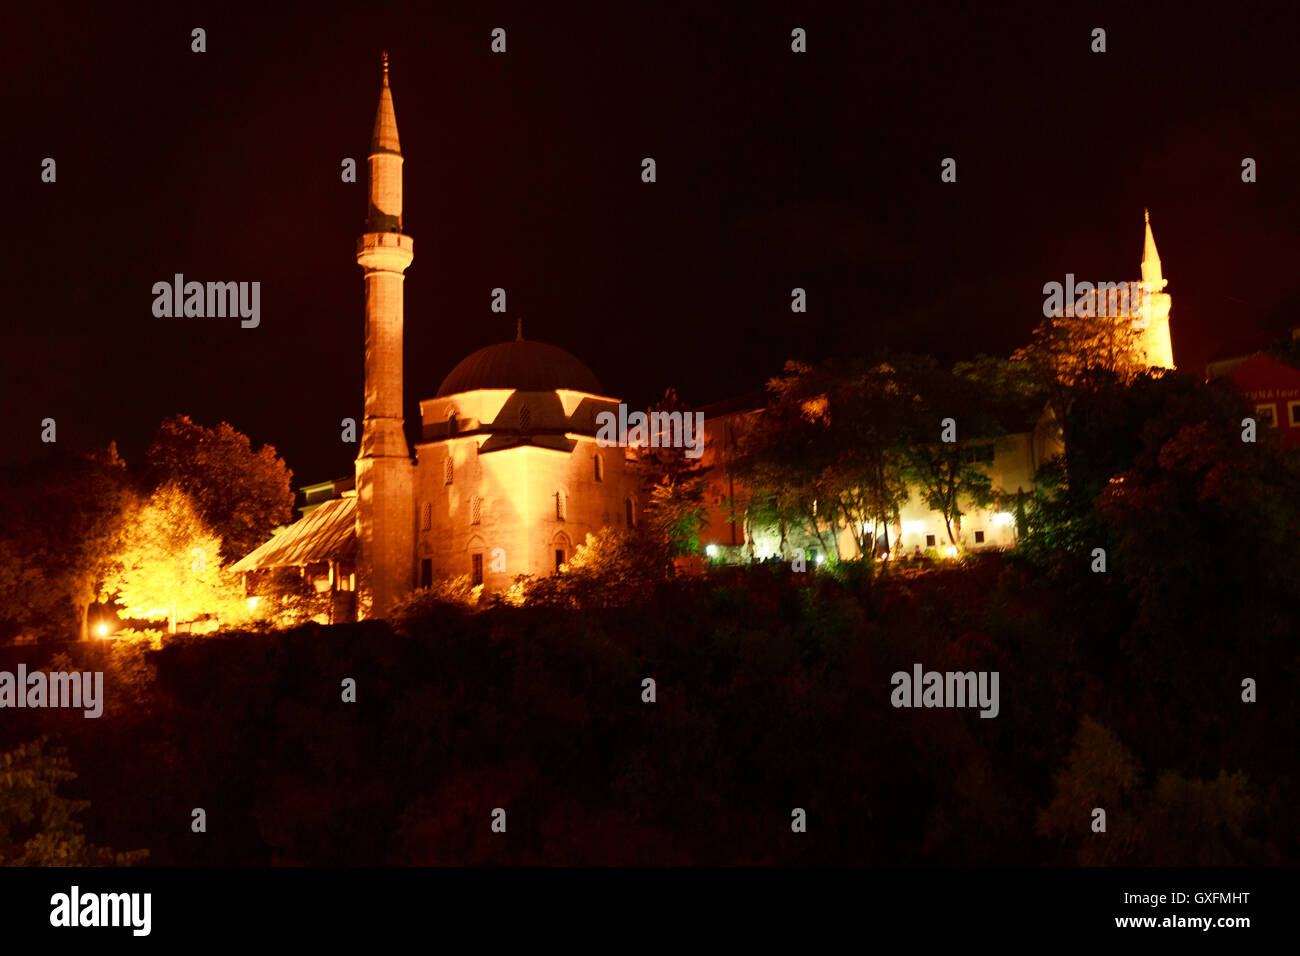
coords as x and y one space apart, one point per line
522 171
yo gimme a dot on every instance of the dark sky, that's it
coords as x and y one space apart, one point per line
522 170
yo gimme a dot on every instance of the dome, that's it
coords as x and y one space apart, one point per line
523 365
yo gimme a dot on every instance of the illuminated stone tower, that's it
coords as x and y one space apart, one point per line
385 470
1155 340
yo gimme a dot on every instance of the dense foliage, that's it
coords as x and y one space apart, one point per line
1122 689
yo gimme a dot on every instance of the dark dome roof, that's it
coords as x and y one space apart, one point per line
520 364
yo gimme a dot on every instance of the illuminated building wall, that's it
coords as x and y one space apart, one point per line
513 452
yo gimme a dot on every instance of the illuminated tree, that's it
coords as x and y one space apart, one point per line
674 486
611 568
169 564
241 494
773 459
949 475
1071 352
828 452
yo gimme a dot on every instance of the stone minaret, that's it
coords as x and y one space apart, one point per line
1155 339
385 470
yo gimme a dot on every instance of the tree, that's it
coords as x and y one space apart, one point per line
1199 519
611 568
60 520
825 452
1073 357
1070 352
1286 348
947 474
168 565
774 459
241 494
674 485
37 825
1100 773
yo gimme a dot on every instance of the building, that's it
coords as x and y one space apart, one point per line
1013 458
507 477
1273 387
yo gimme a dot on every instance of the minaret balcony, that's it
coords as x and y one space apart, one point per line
385 251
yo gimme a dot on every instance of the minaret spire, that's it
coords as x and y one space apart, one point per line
384 139
1151 260
385 212
519 330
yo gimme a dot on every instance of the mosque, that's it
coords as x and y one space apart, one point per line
508 476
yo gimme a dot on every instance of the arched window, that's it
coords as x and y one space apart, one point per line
427 522
452 423
448 471
600 467
476 510
629 512
561 506
562 548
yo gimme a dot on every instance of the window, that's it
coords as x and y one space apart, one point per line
451 424
600 467
475 569
426 523
1266 414
628 513
476 510
559 558
525 419
979 537
929 541
1293 410
561 506
448 471
426 572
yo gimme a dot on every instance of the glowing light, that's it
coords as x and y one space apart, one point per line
103 630
711 550
950 551
821 559
253 602
913 527
1003 518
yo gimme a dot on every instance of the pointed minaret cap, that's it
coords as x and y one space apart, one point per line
384 139
1151 259
519 330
